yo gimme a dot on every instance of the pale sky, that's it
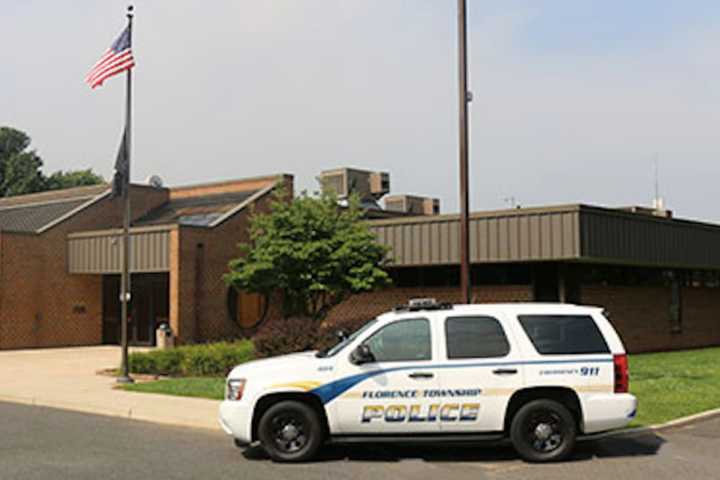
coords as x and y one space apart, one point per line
574 99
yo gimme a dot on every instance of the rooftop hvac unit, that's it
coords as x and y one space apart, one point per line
412 205
366 184
655 211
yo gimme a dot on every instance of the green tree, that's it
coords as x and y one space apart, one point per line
19 167
72 178
312 253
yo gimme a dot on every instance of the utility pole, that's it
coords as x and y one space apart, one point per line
465 97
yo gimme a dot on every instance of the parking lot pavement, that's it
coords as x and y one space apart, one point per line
40 443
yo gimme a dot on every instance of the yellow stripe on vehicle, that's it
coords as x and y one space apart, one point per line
304 385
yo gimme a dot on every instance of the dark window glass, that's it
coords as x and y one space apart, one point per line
475 337
564 334
402 341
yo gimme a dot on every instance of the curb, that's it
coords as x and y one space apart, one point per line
681 422
108 411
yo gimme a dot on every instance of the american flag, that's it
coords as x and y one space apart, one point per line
117 59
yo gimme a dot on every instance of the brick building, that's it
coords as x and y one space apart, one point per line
60 259
657 276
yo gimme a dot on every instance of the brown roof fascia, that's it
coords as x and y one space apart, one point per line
454 217
238 185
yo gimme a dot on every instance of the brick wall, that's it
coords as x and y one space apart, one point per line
20 319
41 305
701 317
641 316
198 298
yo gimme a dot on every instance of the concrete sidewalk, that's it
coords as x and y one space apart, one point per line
66 378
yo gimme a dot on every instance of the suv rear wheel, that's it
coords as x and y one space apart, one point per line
543 431
291 431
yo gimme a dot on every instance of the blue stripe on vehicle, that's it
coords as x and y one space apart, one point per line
330 391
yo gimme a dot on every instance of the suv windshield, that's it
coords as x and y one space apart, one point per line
337 348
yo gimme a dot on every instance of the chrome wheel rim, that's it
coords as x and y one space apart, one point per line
289 432
545 431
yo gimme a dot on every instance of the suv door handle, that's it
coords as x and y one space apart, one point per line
505 371
421 375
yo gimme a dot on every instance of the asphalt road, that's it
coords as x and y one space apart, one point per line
42 443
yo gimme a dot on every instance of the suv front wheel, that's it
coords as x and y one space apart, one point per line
543 431
291 431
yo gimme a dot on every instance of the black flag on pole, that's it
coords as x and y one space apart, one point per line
120 180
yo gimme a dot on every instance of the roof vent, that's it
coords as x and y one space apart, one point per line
347 181
412 205
651 212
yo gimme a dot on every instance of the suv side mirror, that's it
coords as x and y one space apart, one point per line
341 335
361 355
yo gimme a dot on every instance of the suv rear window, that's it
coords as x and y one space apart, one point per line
564 334
475 337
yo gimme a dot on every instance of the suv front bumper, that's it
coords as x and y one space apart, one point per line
236 420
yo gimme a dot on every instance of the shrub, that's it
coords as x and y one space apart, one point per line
298 334
281 336
142 363
168 361
212 359
329 336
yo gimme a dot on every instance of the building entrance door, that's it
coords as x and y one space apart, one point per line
149 307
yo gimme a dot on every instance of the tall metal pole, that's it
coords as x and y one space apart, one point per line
125 277
464 99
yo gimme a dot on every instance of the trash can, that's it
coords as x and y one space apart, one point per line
164 336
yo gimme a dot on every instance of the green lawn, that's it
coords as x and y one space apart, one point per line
202 387
668 385
674 385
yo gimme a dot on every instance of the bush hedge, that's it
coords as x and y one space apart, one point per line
212 359
279 337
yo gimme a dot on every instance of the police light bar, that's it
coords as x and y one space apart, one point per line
417 304
422 302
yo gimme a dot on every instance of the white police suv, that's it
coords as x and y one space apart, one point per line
538 374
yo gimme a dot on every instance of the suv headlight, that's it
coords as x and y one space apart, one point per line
234 389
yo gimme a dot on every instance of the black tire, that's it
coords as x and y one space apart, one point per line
291 431
543 431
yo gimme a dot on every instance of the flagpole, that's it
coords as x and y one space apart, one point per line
125 277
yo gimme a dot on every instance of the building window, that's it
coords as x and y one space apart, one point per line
676 305
624 276
246 310
702 279
449 275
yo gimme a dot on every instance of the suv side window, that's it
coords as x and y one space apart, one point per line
475 337
402 341
564 334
